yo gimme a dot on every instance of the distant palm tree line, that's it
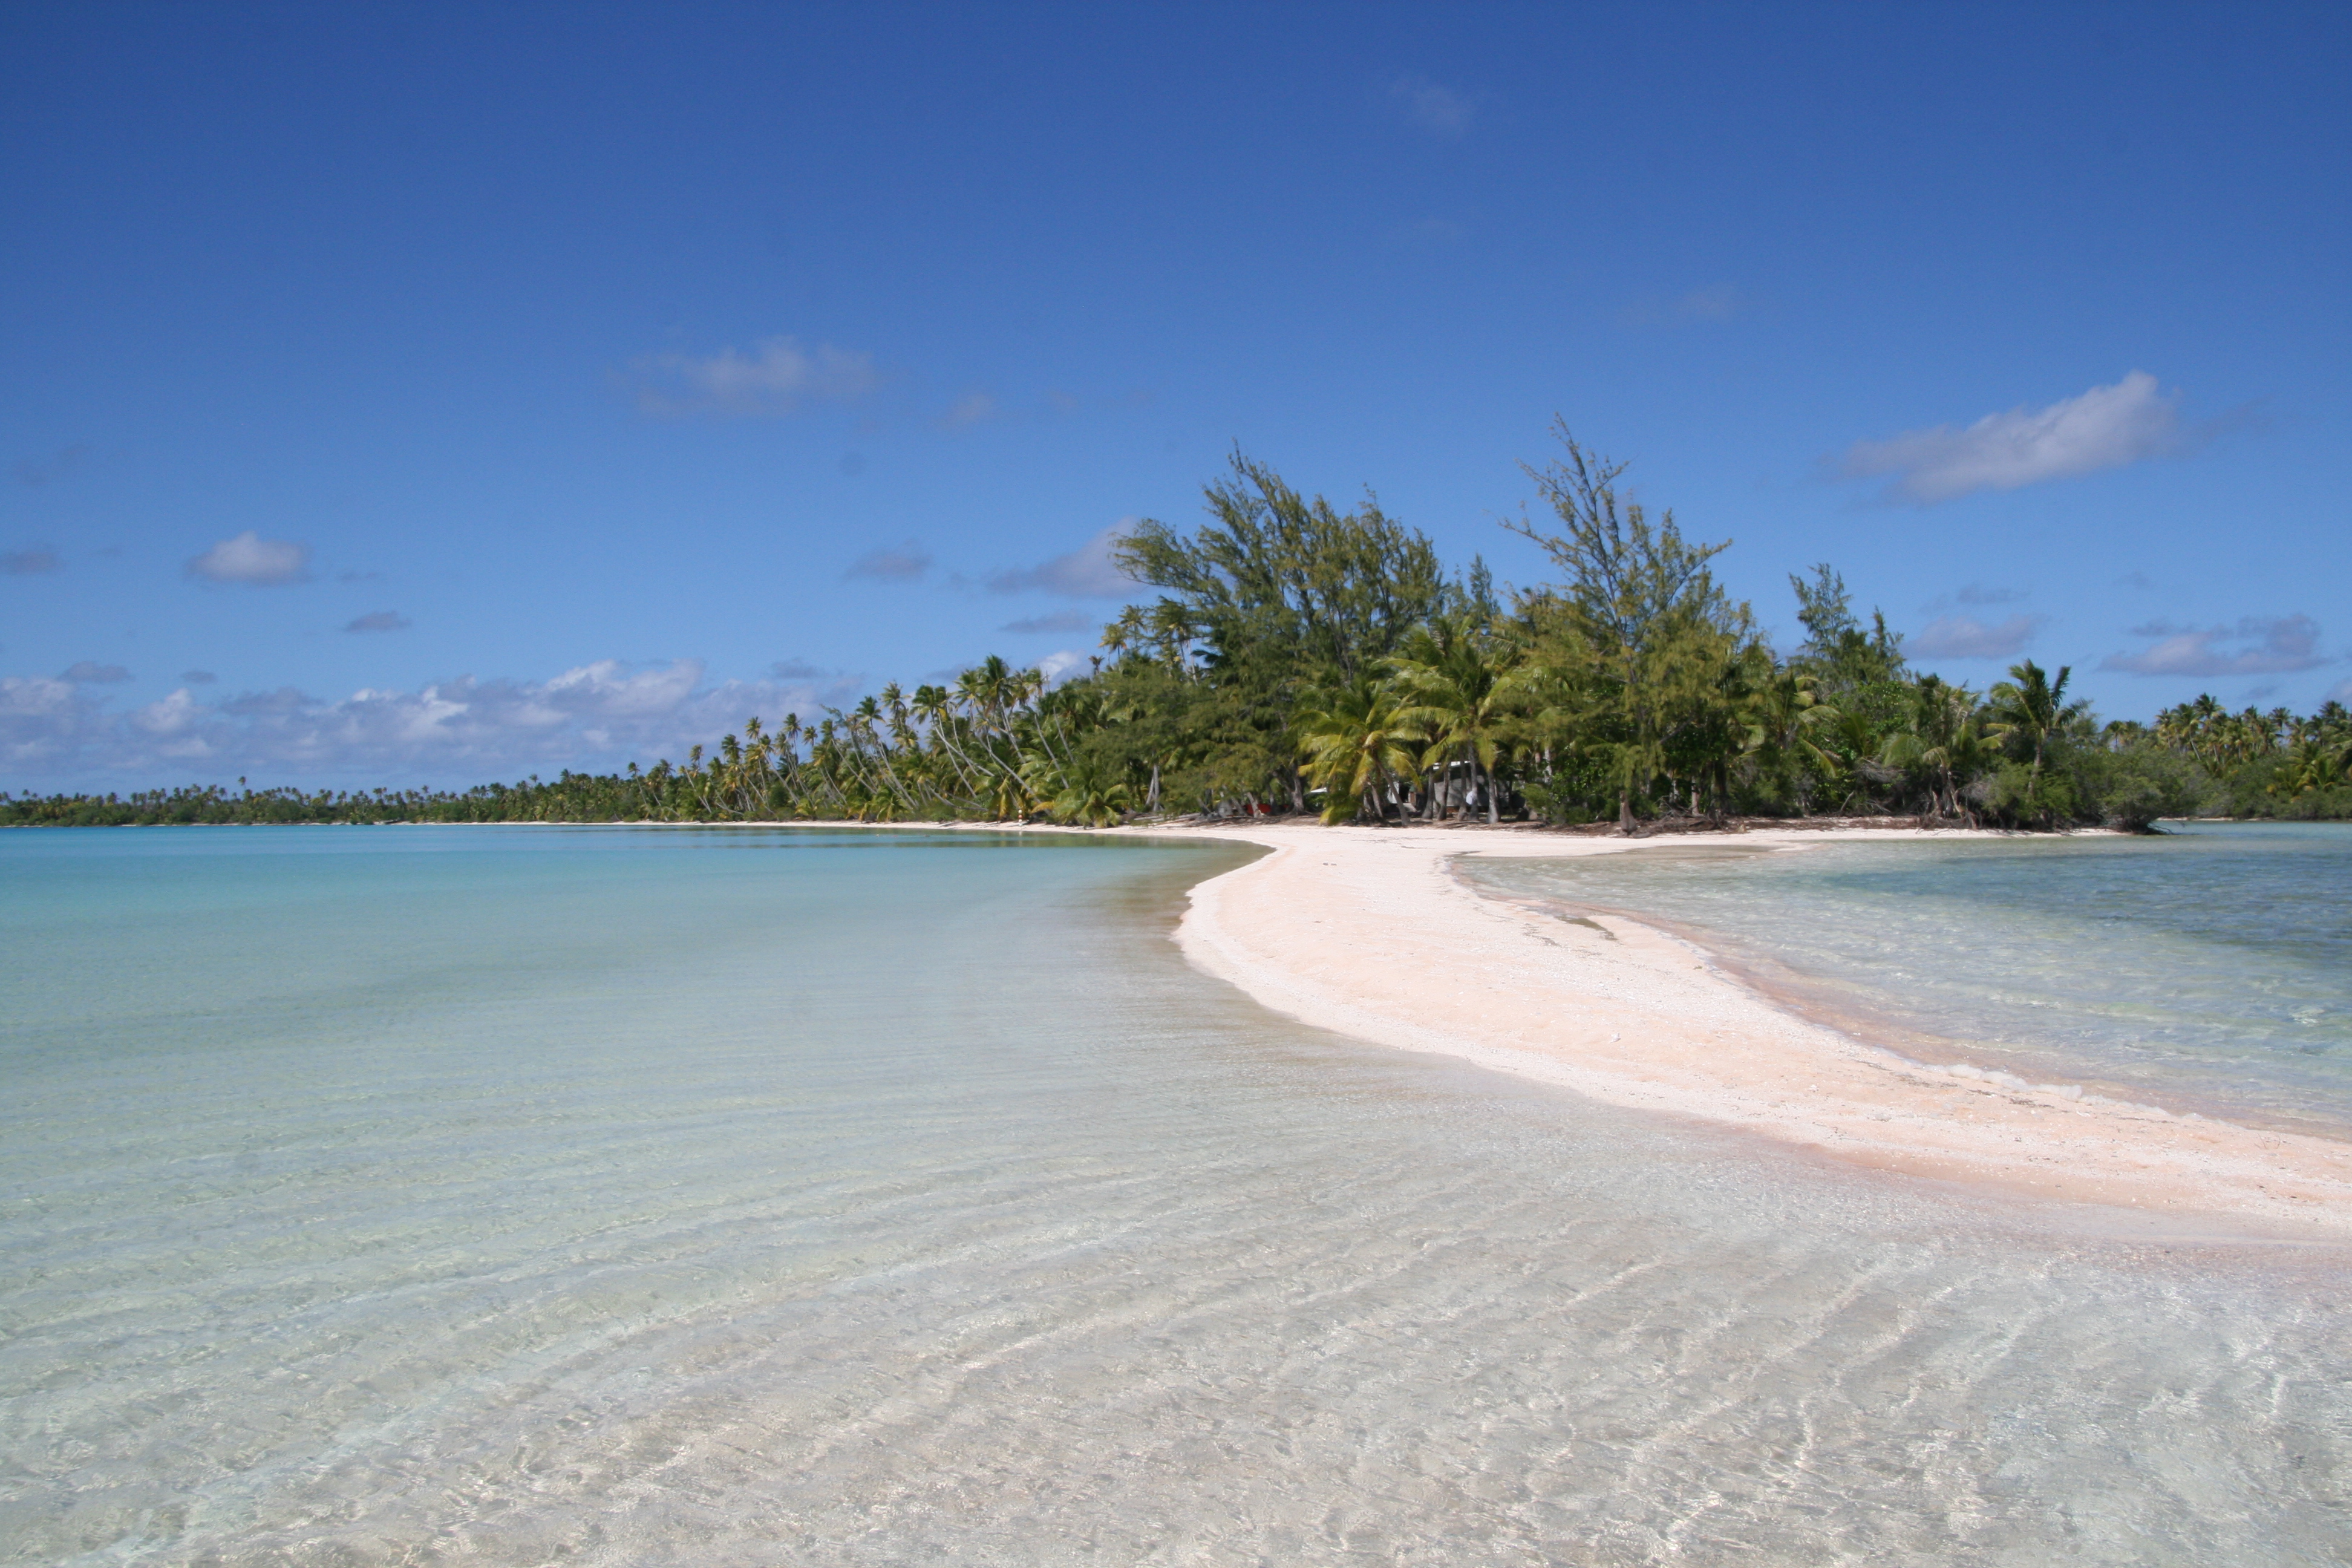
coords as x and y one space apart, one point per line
1301 659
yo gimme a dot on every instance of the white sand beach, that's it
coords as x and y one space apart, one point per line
1368 931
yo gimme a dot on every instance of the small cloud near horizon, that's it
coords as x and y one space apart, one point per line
379 621
1965 637
2269 645
197 678
907 564
1438 109
1984 593
89 672
29 562
778 378
464 730
250 559
801 669
2105 428
1085 572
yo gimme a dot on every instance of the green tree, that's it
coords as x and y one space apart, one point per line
1639 639
1280 593
1453 689
1357 742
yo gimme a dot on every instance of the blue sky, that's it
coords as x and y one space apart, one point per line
409 395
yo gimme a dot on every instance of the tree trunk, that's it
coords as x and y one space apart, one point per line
1626 814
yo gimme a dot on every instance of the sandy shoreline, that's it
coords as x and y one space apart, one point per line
1368 933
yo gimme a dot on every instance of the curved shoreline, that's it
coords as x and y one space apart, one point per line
1368 933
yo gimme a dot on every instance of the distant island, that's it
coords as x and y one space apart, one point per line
1302 659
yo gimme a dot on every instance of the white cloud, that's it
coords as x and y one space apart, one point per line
249 558
1063 664
1965 637
27 562
455 732
2267 645
2106 428
42 721
1435 109
89 671
907 564
379 621
1085 572
780 377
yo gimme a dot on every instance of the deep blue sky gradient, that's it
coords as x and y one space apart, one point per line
392 283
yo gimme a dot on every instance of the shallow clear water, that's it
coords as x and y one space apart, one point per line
2209 968
405 1195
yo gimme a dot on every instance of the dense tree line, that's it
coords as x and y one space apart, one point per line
1297 657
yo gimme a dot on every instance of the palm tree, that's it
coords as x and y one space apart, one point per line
2029 708
1943 739
2313 762
1450 688
1355 742
1091 797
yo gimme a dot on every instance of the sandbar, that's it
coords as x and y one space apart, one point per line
1368 933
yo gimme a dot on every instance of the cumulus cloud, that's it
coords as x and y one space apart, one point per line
1059 621
1440 111
378 621
249 558
2106 428
1085 572
1063 664
1965 637
907 564
27 562
466 731
93 673
779 377
2258 645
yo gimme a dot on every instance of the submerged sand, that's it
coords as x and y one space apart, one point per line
1368 933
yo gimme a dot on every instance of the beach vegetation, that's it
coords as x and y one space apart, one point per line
1290 656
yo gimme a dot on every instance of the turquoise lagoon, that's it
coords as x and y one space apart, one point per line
744 1197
